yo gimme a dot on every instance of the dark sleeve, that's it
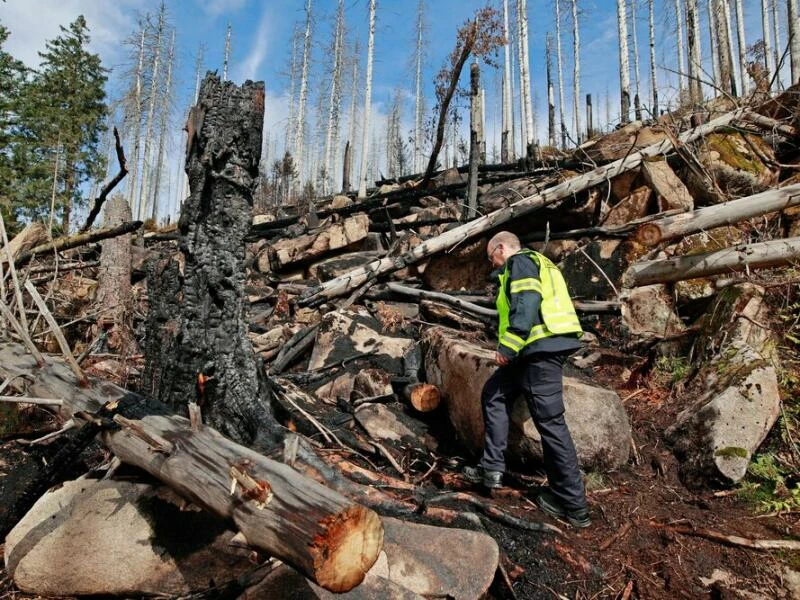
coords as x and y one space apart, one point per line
524 293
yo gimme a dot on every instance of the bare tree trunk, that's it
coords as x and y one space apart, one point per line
418 109
551 101
560 73
299 144
348 168
713 39
724 55
521 49
137 123
778 44
624 65
227 54
576 74
653 81
741 43
768 57
166 103
736 84
526 74
291 127
637 74
793 32
693 37
506 138
144 192
332 131
362 184
680 47
474 141
114 293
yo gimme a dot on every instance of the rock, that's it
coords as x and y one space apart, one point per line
634 206
338 265
344 335
595 416
739 398
263 218
582 275
118 538
624 141
670 191
340 202
649 311
736 165
464 268
449 177
383 425
289 252
418 561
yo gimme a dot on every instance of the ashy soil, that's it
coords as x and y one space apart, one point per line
623 555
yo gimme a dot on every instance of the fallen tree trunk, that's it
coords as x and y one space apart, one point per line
75 241
353 279
455 301
326 536
677 226
763 255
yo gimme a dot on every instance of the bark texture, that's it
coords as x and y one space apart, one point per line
202 329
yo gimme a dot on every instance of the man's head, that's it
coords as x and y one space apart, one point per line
501 247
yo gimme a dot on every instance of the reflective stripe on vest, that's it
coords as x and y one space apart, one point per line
556 310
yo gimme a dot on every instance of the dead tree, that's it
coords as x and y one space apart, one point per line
794 40
197 347
480 36
693 43
362 184
624 64
506 137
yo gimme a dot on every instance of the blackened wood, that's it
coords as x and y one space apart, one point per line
107 188
204 331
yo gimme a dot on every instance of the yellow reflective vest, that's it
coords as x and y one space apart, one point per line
557 312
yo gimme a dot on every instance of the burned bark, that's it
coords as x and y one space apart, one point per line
203 330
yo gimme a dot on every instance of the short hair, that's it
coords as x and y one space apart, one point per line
508 239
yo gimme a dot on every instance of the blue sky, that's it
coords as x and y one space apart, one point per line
261 40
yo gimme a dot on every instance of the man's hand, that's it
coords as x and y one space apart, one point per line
500 359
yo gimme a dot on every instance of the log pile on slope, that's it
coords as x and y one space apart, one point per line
372 321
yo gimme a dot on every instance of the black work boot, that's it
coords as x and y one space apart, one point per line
489 479
578 518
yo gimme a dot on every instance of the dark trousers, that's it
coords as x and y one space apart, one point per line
539 379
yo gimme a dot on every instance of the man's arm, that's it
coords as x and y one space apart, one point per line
524 291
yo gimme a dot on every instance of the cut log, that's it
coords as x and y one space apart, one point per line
327 537
670 191
762 255
33 235
678 226
424 397
349 281
293 252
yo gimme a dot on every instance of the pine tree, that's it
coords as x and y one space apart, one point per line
12 80
65 112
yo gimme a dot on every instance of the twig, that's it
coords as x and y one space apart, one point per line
32 400
616 536
493 512
382 449
69 425
17 291
603 273
731 540
22 333
62 342
123 170
156 442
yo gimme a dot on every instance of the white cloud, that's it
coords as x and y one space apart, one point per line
219 7
109 23
251 66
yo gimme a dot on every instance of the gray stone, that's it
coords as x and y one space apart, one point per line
595 416
648 311
118 538
338 265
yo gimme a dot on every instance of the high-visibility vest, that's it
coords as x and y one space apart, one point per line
557 312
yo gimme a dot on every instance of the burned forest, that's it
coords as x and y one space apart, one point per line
275 395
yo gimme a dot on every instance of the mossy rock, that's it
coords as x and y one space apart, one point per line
737 164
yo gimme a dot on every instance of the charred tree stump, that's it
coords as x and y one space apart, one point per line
204 330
